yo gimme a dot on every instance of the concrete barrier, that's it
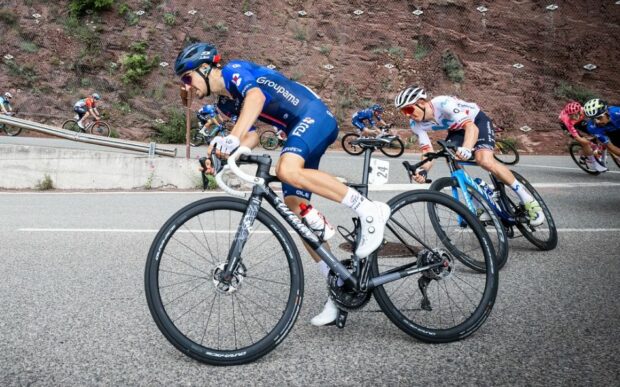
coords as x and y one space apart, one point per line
23 167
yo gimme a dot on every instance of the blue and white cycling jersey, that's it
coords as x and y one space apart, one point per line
601 132
4 102
364 115
289 106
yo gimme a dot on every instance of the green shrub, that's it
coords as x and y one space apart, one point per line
325 50
421 51
137 64
511 141
124 9
452 66
173 131
574 92
29 47
26 73
87 36
221 27
45 184
396 52
170 18
114 133
79 7
8 17
300 34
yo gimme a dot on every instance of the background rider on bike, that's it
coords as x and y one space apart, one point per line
208 117
469 128
272 98
604 123
5 103
370 114
572 120
86 107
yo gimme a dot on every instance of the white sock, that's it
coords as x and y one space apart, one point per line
324 270
521 192
358 203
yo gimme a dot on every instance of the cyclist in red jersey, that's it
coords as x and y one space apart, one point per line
573 121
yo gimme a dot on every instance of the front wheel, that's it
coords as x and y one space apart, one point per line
269 140
450 301
12 130
216 320
545 236
394 149
505 153
576 153
197 139
100 128
72 125
485 213
350 148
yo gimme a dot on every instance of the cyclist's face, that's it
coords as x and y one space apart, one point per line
574 117
414 112
195 81
602 120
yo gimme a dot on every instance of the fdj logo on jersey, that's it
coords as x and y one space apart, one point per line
303 126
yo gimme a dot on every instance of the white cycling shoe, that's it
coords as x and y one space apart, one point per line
373 226
597 167
327 316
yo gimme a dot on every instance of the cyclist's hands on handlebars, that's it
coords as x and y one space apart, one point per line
420 176
224 146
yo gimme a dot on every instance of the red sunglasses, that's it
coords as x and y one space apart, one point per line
408 110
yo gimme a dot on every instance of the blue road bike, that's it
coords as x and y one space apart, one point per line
498 208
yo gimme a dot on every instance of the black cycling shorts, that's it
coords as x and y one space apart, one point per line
486 133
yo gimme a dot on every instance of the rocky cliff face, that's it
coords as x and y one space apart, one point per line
349 58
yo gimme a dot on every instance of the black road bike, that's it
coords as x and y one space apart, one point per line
392 144
225 284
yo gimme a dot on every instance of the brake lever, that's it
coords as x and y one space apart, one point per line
411 170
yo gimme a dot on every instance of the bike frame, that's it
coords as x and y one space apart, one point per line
358 281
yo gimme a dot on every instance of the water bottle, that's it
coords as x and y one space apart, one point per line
316 222
485 187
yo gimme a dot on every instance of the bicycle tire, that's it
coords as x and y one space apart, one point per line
394 149
576 152
353 150
505 153
615 158
72 125
269 140
499 239
100 128
12 130
197 139
489 280
552 241
167 239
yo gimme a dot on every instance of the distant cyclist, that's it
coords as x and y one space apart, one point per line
5 103
604 123
573 121
85 108
469 128
207 117
369 116
274 99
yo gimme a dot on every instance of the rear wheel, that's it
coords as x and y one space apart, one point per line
447 302
394 149
351 149
72 125
197 139
487 216
505 153
576 153
269 140
100 128
12 130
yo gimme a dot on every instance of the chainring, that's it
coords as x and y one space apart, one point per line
346 299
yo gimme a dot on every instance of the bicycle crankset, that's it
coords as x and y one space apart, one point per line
345 297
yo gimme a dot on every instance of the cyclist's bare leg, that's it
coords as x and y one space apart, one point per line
81 121
290 169
485 159
585 145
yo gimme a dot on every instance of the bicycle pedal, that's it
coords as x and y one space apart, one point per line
341 320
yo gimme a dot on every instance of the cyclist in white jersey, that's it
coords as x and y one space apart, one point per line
469 128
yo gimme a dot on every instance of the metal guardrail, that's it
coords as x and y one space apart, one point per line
87 138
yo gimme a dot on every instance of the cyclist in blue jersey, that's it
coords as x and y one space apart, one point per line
604 123
371 114
468 127
272 98
5 103
207 117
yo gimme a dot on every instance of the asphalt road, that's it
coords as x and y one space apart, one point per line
73 310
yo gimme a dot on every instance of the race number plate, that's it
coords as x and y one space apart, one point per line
380 171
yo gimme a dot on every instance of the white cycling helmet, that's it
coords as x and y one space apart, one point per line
409 96
8 95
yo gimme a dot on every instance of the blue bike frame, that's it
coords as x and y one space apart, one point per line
464 180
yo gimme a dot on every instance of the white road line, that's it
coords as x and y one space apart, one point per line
152 231
554 167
